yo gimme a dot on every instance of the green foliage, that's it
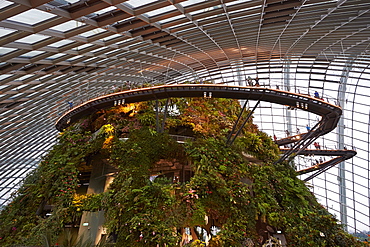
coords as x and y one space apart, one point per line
208 117
54 182
217 182
258 144
225 187
143 209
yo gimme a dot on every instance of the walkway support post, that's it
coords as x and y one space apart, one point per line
156 116
165 114
236 123
286 82
341 99
245 121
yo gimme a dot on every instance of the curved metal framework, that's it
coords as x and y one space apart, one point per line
54 52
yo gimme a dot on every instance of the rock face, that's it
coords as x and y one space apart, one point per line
140 176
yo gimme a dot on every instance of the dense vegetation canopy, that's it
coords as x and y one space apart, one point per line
223 195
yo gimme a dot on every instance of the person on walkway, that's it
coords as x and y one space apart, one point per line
257 81
308 127
287 133
275 138
249 80
70 105
316 94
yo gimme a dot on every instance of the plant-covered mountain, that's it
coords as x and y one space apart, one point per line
141 175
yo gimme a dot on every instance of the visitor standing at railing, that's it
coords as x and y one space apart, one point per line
257 82
316 94
249 80
70 105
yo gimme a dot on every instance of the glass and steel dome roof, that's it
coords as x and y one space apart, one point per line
54 53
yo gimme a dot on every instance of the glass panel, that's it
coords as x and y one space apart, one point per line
74 58
61 43
81 47
4 4
89 59
92 32
44 77
125 41
204 10
111 37
5 50
171 19
161 10
23 78
102 11
55 56
6 31
237 2
115 50
2 77
32 17
16 95
32 53
67 26
72 1
33 38
191 2
102 61
136 3
99 49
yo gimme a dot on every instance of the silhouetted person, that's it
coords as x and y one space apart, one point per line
257 82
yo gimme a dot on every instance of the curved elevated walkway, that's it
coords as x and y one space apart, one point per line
330 113
321 167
